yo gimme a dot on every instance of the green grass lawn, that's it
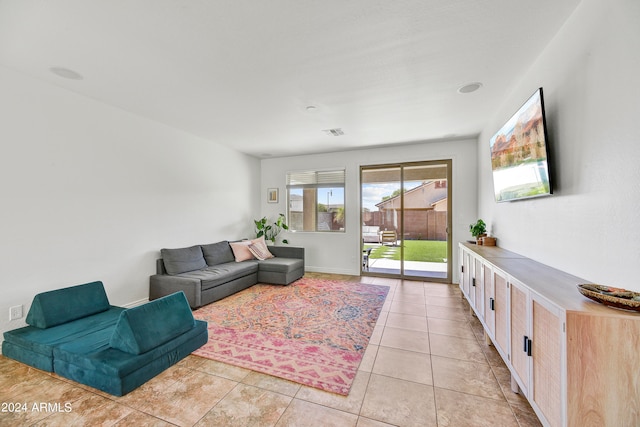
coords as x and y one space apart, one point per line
414 250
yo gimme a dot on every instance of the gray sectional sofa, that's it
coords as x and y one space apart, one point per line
207 273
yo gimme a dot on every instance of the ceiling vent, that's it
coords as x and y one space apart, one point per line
334 132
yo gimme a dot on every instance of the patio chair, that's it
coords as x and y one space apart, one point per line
366 253
389 236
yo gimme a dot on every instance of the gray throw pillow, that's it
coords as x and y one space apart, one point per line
181 260
217 253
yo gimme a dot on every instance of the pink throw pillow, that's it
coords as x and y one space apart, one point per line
258 248
241 250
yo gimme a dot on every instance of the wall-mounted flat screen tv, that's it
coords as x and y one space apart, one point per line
520 154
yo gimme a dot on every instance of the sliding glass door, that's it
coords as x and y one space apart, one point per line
405 216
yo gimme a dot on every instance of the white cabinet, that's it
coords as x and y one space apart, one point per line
465 272
520 335
489 299
501 310
575 360
537 346
478 287
547 350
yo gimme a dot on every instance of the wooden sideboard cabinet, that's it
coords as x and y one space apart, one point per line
575 360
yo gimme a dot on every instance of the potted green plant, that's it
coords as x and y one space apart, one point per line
478 230
271 231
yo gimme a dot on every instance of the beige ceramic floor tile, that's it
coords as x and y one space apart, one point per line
224 370
189 399
405 307
451 313
405 339
441 290
413 298
399 402
450 327
382 318
526 417
23 381
269 382
190 362
140 419
503 376
460 409
376 335
465 377
451 301
492 355
247 406
407 321
91 410
307 414
369 358
404 365
351 403
154 389
457 348
368 422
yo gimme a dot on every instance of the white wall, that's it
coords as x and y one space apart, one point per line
340 252
590 74
90 192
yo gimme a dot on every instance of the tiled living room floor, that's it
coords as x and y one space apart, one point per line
426 365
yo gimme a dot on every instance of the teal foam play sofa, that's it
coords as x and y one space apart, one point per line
77 334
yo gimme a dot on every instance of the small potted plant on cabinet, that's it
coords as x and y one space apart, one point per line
478 230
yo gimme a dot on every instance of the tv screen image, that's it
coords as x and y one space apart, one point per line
519 154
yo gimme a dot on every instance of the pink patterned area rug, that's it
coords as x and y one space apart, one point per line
312 332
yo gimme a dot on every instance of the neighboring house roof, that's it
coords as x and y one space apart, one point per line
444 199
423 196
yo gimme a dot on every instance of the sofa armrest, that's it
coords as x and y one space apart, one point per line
160 266
161 285
287 251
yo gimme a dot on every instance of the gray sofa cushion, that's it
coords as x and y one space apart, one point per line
222 273
217 253
281 265
181 260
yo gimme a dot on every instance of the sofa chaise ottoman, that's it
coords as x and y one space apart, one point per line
207 273
75 333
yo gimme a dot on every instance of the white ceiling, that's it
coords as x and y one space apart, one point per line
242 72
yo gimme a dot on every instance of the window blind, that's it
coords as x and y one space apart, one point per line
315 179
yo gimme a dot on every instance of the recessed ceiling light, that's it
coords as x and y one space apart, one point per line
334 132
66 73
470 87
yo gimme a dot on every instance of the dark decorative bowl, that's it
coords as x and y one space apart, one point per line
612 297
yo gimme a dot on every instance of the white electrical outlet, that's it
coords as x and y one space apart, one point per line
15 312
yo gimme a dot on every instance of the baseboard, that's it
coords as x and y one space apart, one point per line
136 303
332 270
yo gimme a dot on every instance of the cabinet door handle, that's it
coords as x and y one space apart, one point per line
473 281
527 345
492 304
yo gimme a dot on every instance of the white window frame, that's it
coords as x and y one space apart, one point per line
314 180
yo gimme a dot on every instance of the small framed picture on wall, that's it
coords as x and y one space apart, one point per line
272 195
